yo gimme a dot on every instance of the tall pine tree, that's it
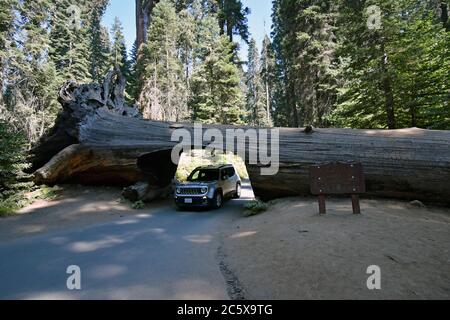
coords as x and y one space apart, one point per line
119 55
256 95
305 45
164 95
394 74
270 78
70 40
99 43
232 17
216 93
32 81
6 32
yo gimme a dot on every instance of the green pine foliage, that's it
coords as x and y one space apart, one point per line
12 158
257 108
118 51
232 16
6 18
270 78
45 43
12 163
40 48
216 93
133 87
187 70
99 43
160 69
303 39
255 207
334 69
70 40
6 31
397 76
30 79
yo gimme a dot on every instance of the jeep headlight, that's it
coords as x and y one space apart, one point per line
178 190
204 190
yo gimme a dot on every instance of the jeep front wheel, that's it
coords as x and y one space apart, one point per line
238 191
218 200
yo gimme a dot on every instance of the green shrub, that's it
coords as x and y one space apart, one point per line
48 193
12 156
8 206
255 207
138 205
13 182
15 199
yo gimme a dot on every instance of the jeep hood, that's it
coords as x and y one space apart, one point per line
196 184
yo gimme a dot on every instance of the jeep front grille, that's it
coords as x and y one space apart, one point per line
191 191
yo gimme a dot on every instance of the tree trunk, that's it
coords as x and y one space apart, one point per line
230 29
99 140
1 81
444 15
268 106
291 101
387 88
144 10
222 26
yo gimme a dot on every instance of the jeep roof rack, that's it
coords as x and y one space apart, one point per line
214 167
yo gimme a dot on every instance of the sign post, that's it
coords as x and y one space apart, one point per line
337 178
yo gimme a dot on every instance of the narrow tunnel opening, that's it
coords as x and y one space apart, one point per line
160 171
158 167
189 161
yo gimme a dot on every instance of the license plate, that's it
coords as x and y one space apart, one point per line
188 200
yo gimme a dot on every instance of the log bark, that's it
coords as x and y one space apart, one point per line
98 139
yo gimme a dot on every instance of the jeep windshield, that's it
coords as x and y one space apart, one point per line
204 175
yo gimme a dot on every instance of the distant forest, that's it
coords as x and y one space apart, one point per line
326 63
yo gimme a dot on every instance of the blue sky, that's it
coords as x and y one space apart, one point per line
261 11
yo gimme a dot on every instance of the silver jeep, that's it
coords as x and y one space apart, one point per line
208 187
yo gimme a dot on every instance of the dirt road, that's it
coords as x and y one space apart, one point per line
289 252
155 253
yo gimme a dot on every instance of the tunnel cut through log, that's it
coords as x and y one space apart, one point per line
159 171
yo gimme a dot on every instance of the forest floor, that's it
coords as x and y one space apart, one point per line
288 252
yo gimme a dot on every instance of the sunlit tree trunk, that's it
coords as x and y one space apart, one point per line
387 89
143 12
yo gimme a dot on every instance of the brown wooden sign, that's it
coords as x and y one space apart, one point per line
337 178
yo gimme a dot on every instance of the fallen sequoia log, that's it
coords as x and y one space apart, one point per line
98 139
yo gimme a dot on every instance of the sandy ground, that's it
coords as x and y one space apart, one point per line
291 252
